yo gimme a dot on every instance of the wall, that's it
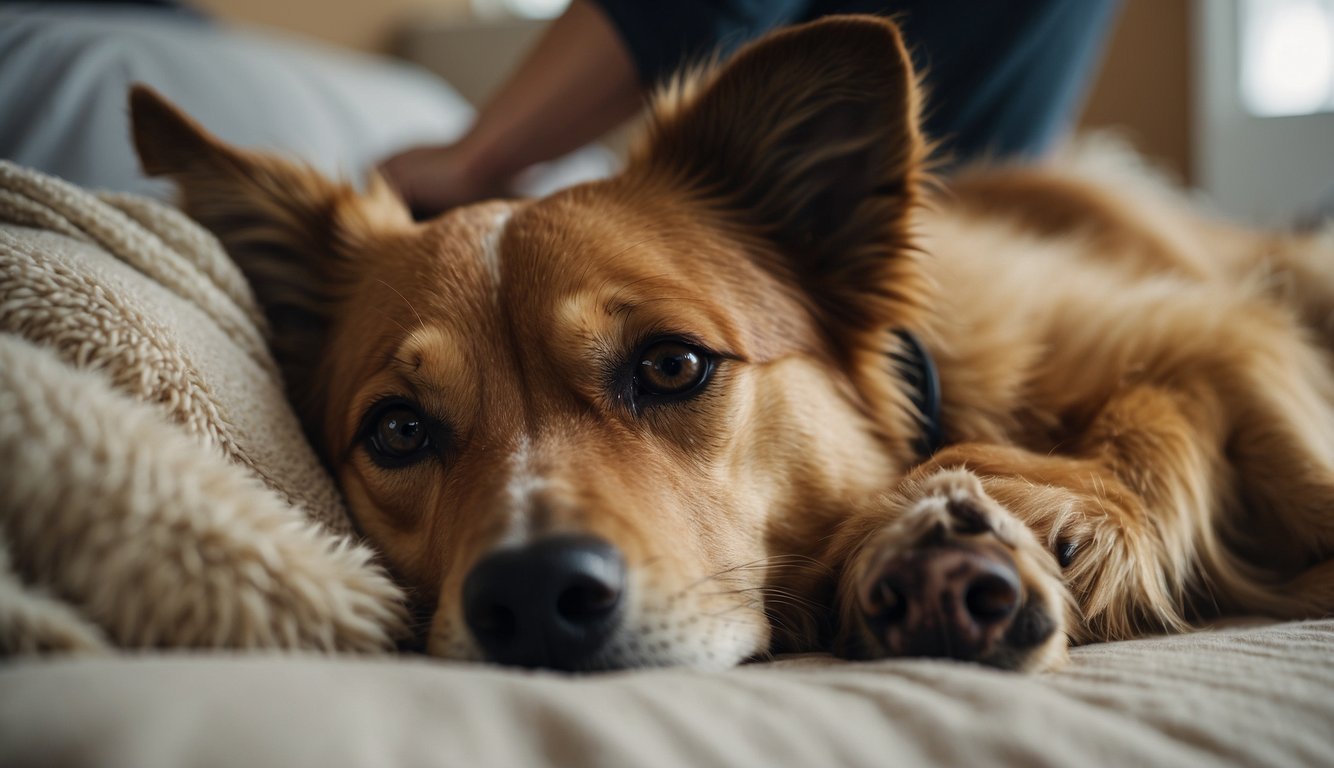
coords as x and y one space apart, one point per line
1145 87
1270 170
366 25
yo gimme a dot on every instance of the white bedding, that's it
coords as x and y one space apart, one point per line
1257 696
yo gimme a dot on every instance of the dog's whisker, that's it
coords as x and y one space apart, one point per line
392 319
772 594
635 245
420 322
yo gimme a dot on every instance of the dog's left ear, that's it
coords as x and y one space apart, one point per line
297 235
810 137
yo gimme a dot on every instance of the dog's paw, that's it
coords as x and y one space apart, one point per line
954 574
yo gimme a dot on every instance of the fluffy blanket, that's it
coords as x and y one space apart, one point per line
156 489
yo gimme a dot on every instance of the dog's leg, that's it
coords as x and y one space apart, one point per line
1232 476
1297 270
1282 447
1125 521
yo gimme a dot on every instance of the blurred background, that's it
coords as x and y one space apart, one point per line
1233 97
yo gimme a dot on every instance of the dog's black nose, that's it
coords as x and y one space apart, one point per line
553 603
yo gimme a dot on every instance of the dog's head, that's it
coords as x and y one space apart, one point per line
595 430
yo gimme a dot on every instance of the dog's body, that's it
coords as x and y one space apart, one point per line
1148 392
656 419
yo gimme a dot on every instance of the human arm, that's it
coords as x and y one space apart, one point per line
578 82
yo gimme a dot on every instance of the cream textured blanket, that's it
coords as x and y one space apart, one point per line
155 489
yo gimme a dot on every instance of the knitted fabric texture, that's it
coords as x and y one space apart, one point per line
157 490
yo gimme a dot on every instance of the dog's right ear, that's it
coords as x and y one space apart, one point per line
810 138
294 233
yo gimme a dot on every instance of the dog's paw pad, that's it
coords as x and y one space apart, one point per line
968 517
958 506
958 576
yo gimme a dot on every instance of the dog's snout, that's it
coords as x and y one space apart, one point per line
950 601
553 603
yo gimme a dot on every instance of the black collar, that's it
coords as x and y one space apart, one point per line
914 364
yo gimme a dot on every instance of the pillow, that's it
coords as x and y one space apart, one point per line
65 71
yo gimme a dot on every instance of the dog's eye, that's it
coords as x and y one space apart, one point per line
669 368
397 433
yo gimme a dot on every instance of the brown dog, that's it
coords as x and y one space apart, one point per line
652 420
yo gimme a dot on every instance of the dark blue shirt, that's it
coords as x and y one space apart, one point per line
1004 76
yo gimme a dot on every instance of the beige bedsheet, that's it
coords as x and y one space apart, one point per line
155 491
1259 696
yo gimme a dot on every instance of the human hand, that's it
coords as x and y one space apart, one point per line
433 179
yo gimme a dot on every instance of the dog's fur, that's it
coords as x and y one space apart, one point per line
1129 390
